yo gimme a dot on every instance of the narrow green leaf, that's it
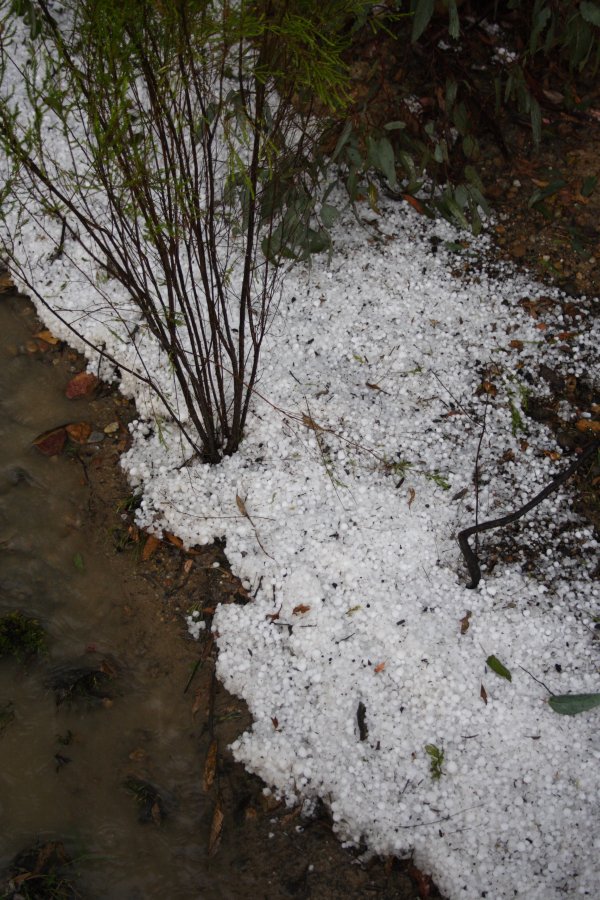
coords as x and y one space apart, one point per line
572 704
328 214
78 562
453 20
536 120
423 14
590 12
394 126
342 140
496 666
589 184
387 160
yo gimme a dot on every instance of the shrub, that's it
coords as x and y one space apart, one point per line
188 143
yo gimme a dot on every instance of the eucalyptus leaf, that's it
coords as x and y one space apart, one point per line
590 12
572 704
423 14
387 160
342 140
328 214
453 20
496 666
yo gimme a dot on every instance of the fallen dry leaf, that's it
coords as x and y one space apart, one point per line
173 539
156 813
47 336
152 542
483 694
79 432
241 506
416 204
300 609
216 828
379 668
465 622
187 566
275 722
6 282
488 387
52 442
516 344
411 496
210 766
199 698
137 755
423 882
588 425
310 423
81 385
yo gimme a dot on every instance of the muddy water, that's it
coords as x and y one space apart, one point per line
63 765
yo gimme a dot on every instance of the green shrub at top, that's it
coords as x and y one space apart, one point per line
187 176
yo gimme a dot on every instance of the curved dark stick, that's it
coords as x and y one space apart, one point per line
463 537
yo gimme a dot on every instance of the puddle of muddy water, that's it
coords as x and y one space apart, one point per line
64 765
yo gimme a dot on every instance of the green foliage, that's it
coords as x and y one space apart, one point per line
190 169
499 668
436 756
21 636
430 159
573 704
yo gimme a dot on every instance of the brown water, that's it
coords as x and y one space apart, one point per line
59 528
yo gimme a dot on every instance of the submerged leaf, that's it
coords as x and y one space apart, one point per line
81 385
51 443
216 828
572 704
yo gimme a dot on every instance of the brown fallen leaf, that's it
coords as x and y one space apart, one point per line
588 425
216 828
300 609
488 387
173 539
310 423
199 699
516 344
6 282
275 722
81 385
79 432
375 387
422 881
152 542
52 442
379 668
210 766
465 622
187 566
416 204
411 496
137 755
156 813
483 694
47 336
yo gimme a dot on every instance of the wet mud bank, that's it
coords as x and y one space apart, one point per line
115 779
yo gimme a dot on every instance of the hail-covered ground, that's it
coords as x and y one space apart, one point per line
390 412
